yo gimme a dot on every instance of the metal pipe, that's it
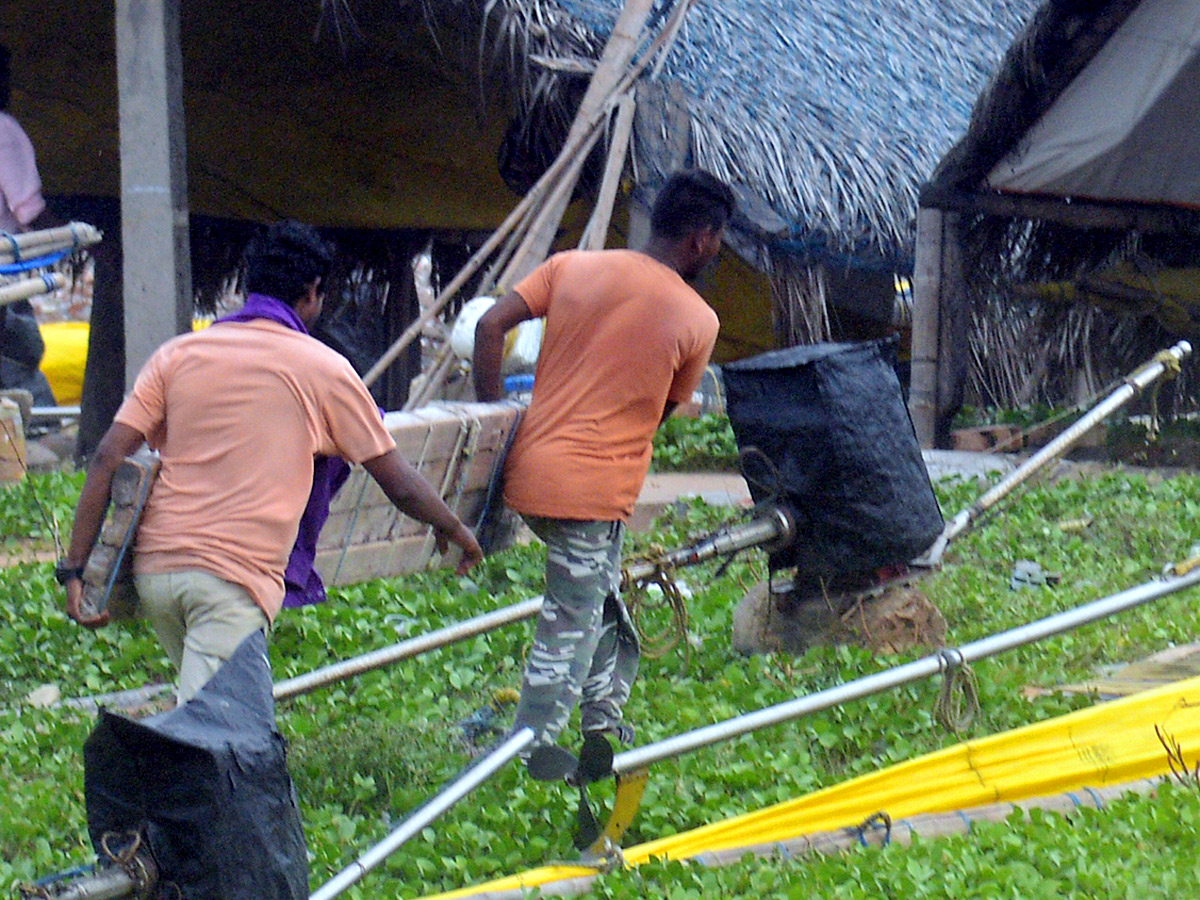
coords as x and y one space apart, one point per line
377 659
775 526
476 775
136 878
641 757
1135 383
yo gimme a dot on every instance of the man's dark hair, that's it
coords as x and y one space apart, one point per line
691 201
5 76
285 259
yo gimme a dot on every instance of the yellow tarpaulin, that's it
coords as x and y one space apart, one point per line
66 354
1110 744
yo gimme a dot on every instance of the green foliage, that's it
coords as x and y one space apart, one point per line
31 508
366 753
1022 417
684 444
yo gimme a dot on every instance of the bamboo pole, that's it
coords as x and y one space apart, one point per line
617 58
471 267
31 287
618 149
27 244
583 134
522 209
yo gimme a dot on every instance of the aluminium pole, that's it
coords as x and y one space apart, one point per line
944 660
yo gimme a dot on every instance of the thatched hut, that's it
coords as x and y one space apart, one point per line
403 122
1059 243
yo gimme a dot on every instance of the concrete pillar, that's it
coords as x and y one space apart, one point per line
154 211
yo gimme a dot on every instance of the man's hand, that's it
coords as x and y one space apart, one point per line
416 497
75 606
472 553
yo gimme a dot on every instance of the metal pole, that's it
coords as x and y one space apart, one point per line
377 659
775 526
642 757
430 812
1134 384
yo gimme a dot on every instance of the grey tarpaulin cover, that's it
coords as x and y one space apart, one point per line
825 429
207 785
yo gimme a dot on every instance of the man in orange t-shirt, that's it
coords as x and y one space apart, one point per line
626 340
237 412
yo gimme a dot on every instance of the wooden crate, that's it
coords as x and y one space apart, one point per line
456 447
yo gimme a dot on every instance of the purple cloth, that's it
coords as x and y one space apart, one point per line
260 306
302 584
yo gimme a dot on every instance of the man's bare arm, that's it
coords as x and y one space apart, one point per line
118 442
416 497
509 312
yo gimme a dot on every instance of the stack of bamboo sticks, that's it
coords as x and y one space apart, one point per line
37 245
525 237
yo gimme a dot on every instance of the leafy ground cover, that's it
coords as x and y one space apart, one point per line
366 753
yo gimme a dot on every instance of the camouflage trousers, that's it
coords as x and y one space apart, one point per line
585 648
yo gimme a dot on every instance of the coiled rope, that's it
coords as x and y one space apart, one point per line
642 604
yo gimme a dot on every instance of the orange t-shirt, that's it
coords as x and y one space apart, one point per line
624 334
237 412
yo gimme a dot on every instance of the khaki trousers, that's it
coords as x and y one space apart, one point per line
200 620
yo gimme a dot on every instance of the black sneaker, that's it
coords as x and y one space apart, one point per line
622 732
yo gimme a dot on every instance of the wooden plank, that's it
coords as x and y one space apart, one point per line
1075 213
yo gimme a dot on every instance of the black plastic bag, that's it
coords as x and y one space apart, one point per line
824 428
206 786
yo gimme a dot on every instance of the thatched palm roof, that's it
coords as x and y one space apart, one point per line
1049 243
828 114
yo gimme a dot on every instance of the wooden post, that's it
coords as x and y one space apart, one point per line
939 351
927 271
154 211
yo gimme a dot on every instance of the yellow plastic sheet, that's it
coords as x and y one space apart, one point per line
1106 745
66 354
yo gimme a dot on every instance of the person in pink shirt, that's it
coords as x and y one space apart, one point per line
21 203
238 412
21 208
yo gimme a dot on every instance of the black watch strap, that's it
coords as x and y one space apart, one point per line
64 573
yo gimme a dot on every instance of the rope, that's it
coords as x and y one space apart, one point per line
875 820
958 702
640 605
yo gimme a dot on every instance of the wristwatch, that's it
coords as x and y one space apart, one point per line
64 573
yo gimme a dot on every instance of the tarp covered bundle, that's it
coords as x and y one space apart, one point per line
207 787
824 428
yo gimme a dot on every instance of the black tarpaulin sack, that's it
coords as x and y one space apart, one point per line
207 787
825 428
